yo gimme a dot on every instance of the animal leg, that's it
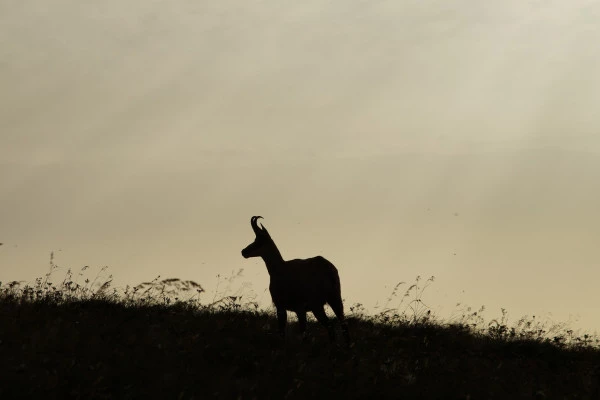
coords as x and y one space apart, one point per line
319 313
302 322
338 308
281 321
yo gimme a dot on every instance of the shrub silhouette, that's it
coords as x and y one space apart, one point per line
76 341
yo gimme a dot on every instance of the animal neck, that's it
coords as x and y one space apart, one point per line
273 259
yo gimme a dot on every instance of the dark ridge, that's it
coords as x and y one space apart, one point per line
99 349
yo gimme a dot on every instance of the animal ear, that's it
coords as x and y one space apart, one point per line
261 229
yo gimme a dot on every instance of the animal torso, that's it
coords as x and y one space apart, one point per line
304 285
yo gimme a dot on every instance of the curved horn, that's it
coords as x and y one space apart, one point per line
254 225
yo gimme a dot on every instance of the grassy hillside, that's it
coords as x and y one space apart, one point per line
72 342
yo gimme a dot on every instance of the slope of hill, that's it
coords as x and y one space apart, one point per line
55 346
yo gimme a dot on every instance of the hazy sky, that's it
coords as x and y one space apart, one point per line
396 138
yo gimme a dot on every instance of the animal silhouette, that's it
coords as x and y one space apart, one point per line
299 285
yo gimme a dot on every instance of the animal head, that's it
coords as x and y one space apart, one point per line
262 242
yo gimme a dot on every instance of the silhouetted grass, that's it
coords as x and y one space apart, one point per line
87 341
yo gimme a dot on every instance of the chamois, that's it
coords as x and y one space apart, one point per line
299 285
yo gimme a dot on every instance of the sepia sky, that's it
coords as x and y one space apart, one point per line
450 138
